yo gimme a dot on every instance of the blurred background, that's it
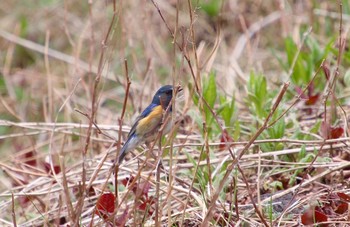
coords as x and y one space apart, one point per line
51 51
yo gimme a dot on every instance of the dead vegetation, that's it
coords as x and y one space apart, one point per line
261 138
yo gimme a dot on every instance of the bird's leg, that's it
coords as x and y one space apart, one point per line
160 164
150 147
155 156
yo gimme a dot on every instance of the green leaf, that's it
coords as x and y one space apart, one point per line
347 78
23 26
279 59
3 89
277 130
195 97
226 110
209 94
209 90
308 158
20 94
276 185
316 51
302 152
212 7
299 71
237 131
257 95
290 48
191 159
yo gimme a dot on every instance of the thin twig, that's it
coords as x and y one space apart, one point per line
158 164
99 131
49 79
101 65
116 164
66 195
13 213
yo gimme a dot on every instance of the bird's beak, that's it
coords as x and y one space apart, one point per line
178 89
179 92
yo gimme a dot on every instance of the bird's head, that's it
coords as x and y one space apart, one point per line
164 95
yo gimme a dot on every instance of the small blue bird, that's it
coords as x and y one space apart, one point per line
147 125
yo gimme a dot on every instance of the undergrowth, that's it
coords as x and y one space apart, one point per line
261 138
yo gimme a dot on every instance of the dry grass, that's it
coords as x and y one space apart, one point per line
65 69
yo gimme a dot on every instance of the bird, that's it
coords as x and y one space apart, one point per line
147 125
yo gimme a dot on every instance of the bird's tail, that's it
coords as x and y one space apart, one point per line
129 145
121 156
122 153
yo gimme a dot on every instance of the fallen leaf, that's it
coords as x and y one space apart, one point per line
329 132
126 181
336 133
225 138
342 208
105 205
146 204
142 189
123 218
30 158
91 191
344 196
56 168
47 165
313 216
24 200
311 100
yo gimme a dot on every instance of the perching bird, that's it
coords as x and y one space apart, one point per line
147 125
